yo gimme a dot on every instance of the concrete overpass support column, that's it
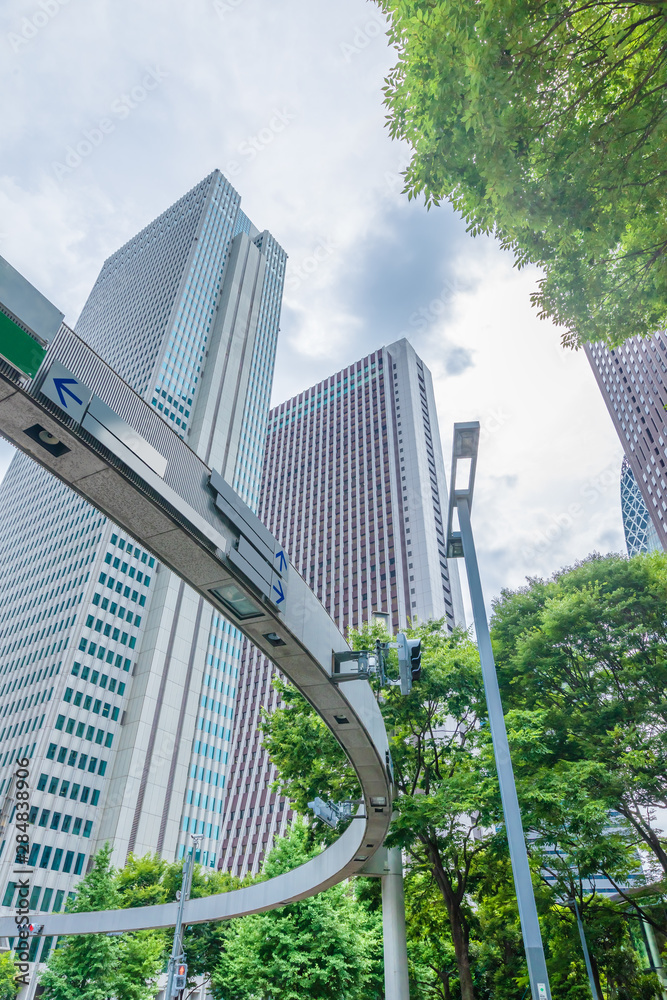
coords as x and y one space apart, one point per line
393 926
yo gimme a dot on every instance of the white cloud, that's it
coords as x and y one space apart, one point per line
330 178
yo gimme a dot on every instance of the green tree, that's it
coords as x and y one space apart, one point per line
141 958
149 880
545 124
98 967
9 988
85 967
319 947
582 660
431 957
447 792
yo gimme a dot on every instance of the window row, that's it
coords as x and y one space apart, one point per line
69 823
132 550
132 595
96 678
75 755
102 653
208 776
216 730
34 898
110 632
201 799
78 698
46 857
215 753
200 826
81 729
71 789
126 568
105 604
216 706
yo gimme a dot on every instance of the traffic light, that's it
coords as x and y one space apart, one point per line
409 661
404 663
180 978
415 654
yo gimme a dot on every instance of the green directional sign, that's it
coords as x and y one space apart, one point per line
18 347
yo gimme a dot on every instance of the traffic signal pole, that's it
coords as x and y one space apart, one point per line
177 949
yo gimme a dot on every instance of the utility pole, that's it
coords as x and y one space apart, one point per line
177 950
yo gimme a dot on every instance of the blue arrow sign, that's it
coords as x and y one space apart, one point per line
279 591
61 385
282 561
66 390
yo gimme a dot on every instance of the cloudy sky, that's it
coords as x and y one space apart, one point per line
285 97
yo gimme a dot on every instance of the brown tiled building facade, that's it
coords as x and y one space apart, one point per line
354 487
633 381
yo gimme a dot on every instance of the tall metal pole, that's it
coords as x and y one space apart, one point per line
396 984
177 948
530 925
587 957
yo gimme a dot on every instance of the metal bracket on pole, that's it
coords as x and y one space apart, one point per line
358 658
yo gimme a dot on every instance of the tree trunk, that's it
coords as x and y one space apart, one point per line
453 903
461 952
443 976
596 974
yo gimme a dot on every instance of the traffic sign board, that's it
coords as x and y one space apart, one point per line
18 347
277 592
67 391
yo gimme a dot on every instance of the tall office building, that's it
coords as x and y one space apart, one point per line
638 528
633 382
115 679
354 487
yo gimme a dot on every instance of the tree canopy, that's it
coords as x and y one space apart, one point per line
9 986
464 937
583 660
98 967
325 947
544 122
447 791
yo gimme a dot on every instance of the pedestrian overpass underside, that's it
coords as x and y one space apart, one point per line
77 418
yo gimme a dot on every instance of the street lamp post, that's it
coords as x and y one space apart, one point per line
177 950
461 544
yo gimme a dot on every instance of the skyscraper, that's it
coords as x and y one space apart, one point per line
114 678
633 382
354 487
639 530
